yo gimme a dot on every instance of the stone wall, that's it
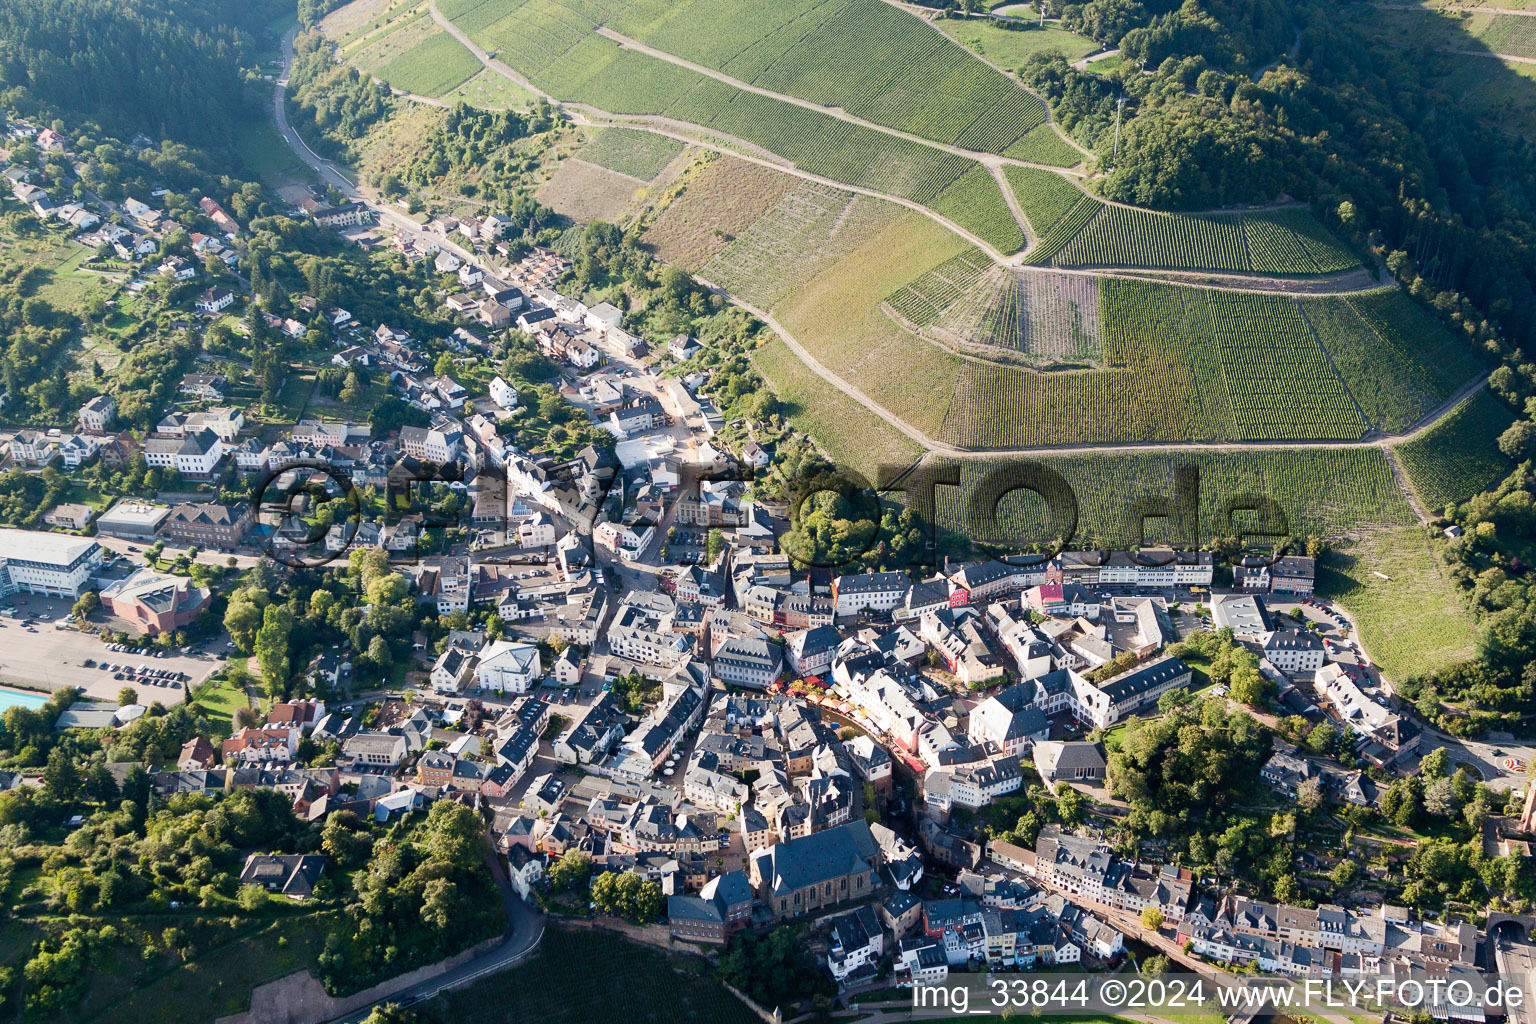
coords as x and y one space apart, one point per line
299 998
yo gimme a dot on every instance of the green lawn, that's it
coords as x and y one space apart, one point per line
219 700
265 154
1410 619
1007 48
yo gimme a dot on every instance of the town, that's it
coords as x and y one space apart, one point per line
607 652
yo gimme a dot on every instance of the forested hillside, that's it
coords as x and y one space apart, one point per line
166 67
1355 126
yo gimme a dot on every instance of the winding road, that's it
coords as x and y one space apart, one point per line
587 116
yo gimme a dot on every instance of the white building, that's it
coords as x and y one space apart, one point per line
508 666
56 564
503 394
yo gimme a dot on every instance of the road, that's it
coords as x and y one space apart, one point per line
525 928
332 175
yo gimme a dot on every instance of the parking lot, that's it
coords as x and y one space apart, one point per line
55 657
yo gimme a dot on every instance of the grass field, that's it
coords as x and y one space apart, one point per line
1007 48
581 977
1408 615
849 434
491 91
1459 457
718 202
586 192
376 49
434 67
836 316
641 155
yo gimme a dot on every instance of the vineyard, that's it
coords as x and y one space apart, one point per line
822 51
1049 241
1459 457
1045 197
1328 493
1282 242
805 233
1409 617
553 44
817 50
1414 333
1050 319
720 199
850 435
434 67
975 202
641 155
1043 146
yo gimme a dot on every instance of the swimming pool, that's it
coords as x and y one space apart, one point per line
10 698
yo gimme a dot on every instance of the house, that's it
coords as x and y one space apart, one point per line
502 393
196 753
508 666
374 750
603 317
209 525
855 944
1009 720
1076 761
33 448
69 516
253 746
871 591
1294 650
293 875
721 909
194 455
97 414
431 444
343 216
747 661
683 347
215 300
207 386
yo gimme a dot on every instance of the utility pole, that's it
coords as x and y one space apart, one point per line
1119 106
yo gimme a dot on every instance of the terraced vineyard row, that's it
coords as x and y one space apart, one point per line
925 300
1459 458
1067 225
820 50
1287 242
1413 333
1278 377
640 155
975 202
1323 492
805 233
1045 197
